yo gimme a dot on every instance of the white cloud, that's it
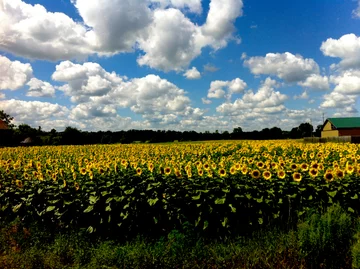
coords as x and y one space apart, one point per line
347 48
206 101
225 89
338 100
219 25
265 100
287 66
39 88
304 95
192 73
356 12
210 68
33 32
2 96
116 24
316 82
190 5
167 38
243 56
31 112
13 74
347 83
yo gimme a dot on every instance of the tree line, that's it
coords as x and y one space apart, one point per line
27 135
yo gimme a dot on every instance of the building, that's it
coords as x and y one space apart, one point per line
335 127
3 125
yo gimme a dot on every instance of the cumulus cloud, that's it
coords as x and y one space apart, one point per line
167 39
225 89
99 93
347 83
206 101
356 12
304 95
316 82
337 100
33 32
13 74
210 68
189 5
287 66
192 73
39 88
265 100
347 48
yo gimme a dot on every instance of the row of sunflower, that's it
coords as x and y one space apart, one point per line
213 185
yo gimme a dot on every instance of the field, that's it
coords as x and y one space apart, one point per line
219 189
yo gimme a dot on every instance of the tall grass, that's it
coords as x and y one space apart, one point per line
330 240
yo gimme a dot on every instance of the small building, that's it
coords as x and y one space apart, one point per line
3 125
335 127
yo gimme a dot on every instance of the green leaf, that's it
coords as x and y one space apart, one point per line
248 196
224 222
197 221
153 201
93 199
206 224
108 208
90 229
351 210
355 197
16 208
108 200
40 191
196 197
103 193
233 209
220 201
126 206
332 193
261 221
259 200
50 208
127 192
155 220
89 209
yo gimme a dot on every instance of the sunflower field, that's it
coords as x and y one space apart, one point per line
215 186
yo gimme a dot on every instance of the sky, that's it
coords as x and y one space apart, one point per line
200 65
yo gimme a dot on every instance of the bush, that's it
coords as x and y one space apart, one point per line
326 239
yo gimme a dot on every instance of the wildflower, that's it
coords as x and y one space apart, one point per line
297 177
267 175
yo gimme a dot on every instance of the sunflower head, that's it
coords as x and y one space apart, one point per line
138 171
339 173
77 186
233 170
297 177
200 172
267 175
281 174
255 173
19 183
329 176
222 172
83 171
313 172
304 167
167 170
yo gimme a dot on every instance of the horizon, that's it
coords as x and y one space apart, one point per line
185 65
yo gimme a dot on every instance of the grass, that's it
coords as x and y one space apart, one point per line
330 240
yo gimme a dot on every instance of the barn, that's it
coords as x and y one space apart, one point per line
335 127
3 125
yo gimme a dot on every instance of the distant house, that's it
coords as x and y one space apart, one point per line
3 125
334 127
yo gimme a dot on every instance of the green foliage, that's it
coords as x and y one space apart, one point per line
326 238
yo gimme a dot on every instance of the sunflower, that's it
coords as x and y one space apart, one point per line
293 166
350 169
313 172
19 183
304 167
255 173
339 173
297 177
101 170
233 170
167 170
200 172
54 176
267 175
91 175
260 165
206 166
177 173
222 172
138 171
189 173
74 176
281 174
237 166
83 171
26 176
328 176
315 166
77 186
64 183
151 167
244 170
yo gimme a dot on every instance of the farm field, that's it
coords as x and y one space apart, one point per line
218 189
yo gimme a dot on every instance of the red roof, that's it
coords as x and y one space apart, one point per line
3 125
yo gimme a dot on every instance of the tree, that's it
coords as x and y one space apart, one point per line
305 129
6 118
318 130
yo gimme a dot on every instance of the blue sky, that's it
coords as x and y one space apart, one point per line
178 64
